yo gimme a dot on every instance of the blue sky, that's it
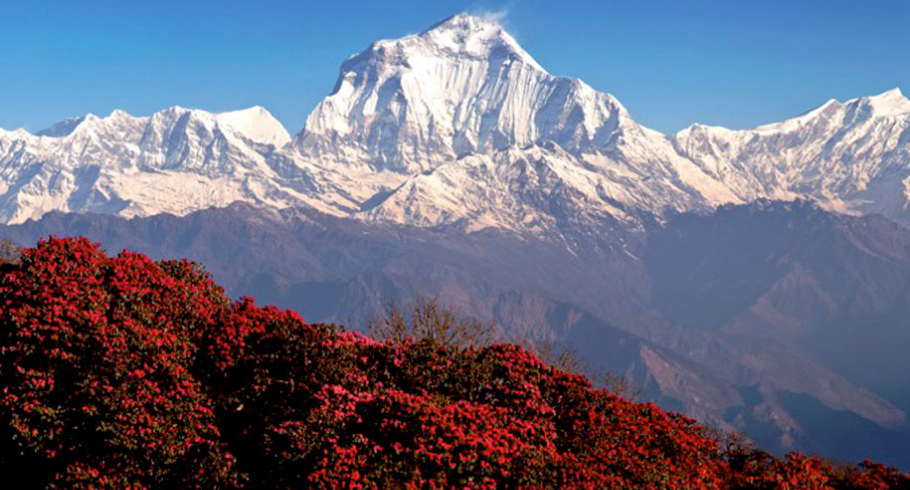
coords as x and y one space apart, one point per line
737 63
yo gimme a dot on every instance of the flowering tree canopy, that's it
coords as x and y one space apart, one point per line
124 373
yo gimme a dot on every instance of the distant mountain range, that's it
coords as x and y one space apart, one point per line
747 278
458 126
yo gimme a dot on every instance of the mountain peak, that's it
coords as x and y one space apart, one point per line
256 123
892 94
464 21
890 103
461 87
477 35
119 113
823 111
461 36
62 128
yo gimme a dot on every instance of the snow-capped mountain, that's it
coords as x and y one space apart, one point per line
175 161
458 126
850 157
468 128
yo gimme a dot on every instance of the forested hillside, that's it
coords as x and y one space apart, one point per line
120 372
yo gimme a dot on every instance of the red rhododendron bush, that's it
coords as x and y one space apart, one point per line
124 373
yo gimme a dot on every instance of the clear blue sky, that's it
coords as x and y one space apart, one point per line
736 63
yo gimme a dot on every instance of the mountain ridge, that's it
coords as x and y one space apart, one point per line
458 126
